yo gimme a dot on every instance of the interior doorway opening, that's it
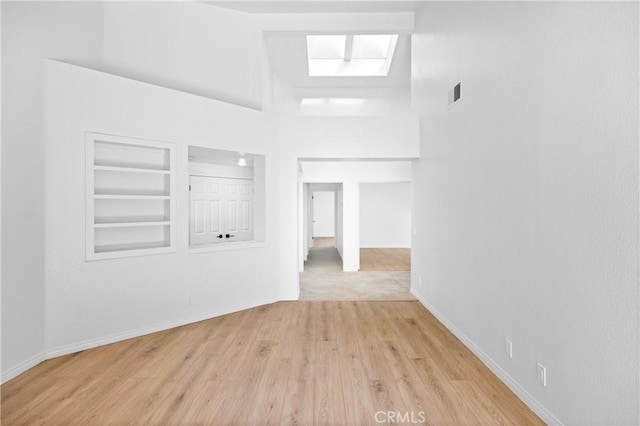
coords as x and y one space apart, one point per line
385 226
322 222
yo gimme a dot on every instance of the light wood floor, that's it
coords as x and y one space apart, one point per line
333 363
385 259
324 242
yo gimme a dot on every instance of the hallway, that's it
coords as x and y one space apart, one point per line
323 279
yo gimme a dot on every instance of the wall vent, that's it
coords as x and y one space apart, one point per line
455 94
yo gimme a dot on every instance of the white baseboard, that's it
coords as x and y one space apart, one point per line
117 337
511 383
25 365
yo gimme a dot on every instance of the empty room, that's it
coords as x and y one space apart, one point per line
320 213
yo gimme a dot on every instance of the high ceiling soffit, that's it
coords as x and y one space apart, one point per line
314 6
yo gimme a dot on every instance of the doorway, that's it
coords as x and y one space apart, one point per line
327 209
323 213
385 226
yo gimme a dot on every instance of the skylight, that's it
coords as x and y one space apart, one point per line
350 55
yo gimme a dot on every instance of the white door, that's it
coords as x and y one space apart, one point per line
221 210
238 209
324 214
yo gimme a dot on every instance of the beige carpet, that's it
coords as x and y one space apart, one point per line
323 279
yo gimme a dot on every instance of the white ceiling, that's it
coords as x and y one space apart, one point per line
314 6
288 60
287 48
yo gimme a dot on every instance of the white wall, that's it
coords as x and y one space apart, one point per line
30 32
89 303
192 47
340 222
220 170
342 102
161 43
324 214
385 215
526 196
306 224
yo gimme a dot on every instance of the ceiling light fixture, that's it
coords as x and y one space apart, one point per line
242 161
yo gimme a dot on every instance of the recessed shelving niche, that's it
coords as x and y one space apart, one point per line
130 197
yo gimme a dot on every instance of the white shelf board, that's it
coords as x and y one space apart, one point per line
120 169
131 224
125 219
130 197
131 247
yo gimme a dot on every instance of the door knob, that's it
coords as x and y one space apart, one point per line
219 236
230 236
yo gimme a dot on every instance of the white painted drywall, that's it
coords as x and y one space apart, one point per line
350 226
192 47
88 303
307 223
31 31
385 215
220 170
342 102
324 219
340 221
360 171
526 195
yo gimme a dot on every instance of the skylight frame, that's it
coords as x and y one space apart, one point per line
357 55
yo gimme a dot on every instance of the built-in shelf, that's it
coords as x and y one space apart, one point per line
130 247
130 224
116 169
130 197
100 220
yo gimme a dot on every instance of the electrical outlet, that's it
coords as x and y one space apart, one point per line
508 348
189 299
541 374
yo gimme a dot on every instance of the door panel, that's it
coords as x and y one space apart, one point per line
199 219
245 210
232 215
220 206
245 215
216 216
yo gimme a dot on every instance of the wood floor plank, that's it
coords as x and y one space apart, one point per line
294 363
385 259
329 407
298 403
